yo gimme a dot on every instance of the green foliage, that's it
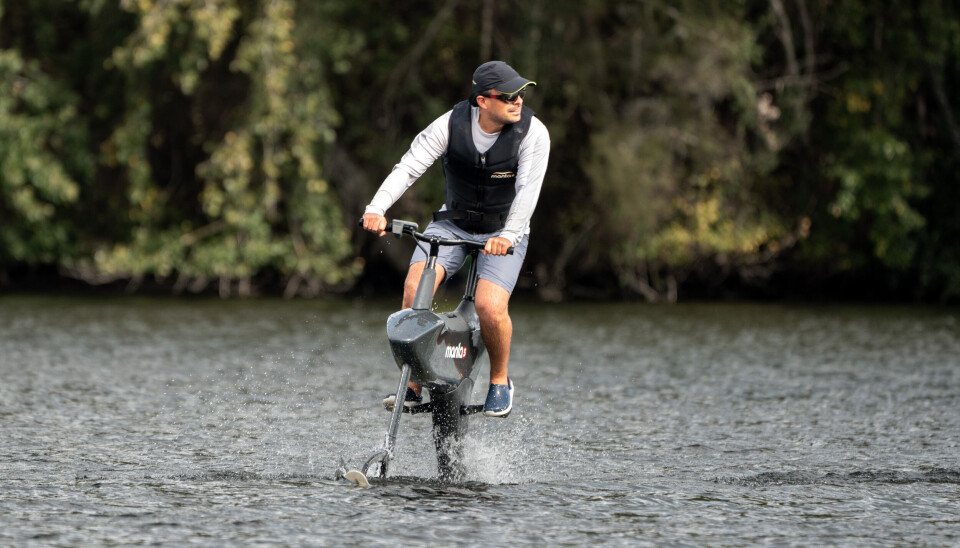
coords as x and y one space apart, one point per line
674 168
263 204
886 142
231 142
185 34
43 163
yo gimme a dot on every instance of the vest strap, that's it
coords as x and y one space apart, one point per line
468 215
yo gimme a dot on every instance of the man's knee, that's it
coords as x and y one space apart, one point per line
492 301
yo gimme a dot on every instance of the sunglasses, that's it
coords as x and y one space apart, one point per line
509 99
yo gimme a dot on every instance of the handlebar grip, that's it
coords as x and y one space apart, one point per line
389 223
398 227
388 228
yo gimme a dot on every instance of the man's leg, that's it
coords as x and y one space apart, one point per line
410 291
495 327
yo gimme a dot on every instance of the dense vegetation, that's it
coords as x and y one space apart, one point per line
700 148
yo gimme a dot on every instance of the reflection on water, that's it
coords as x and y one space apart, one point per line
142 421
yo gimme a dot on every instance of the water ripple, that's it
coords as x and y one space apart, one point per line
175 422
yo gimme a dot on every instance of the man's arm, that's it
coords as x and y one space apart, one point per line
534 154
426 147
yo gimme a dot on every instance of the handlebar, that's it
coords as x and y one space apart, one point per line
399 228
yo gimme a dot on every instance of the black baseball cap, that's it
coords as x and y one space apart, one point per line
499 76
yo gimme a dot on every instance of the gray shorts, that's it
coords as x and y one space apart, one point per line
502 270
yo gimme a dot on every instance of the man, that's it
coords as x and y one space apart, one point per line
494 158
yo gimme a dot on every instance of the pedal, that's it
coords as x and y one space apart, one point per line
419 408
471 409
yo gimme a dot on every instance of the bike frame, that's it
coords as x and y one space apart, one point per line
440 352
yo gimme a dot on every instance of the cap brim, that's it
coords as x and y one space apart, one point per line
515 85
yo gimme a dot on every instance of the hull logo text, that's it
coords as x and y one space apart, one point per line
456 352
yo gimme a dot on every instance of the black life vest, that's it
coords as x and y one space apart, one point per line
480 188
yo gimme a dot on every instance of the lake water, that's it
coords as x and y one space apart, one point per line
137 421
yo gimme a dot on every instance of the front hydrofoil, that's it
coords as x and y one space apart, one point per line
357 477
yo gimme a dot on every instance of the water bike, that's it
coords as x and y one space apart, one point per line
440 352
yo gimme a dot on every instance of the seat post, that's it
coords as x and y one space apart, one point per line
423 299
471 290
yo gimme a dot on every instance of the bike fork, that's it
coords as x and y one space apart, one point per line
386 454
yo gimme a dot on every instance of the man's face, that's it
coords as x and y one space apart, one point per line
501 111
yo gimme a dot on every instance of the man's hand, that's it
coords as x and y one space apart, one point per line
375 223
497 246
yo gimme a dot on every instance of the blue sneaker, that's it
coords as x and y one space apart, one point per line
411 399
499 400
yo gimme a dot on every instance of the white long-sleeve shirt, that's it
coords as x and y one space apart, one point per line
432 142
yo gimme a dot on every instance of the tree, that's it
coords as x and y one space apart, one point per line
216 146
